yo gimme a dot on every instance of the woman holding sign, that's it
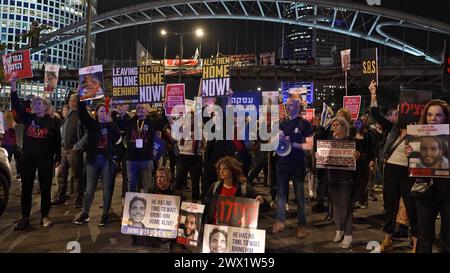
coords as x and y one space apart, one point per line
41 149
231 182
102 136
437 198
341 188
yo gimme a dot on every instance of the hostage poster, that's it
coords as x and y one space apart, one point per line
225 239
51 77
91 83
135 85
353 104
336 154
190 222
237 212
153 215
215 77
17 64
429 157
175 96
246 101
412 103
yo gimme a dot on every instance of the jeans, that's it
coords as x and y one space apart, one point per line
107 169
70 160
397 184
45 175
297 175
427 210
191 164
341 198
140 171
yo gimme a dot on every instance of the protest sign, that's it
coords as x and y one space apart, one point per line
188 66
345 60
353 104
247 101
237 212
154 215
17 64
309 114
51 77
336 154
267 59
216 77
369 61
243 60
91 83
225 239
143 84
412 103
175 95
190 223
429 157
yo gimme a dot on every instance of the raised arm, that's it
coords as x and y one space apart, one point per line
375 111
17 105
83 114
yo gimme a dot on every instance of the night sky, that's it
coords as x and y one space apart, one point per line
250 37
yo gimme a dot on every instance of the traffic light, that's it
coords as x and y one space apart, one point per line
446 76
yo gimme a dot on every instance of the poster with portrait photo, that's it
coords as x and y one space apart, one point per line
225 239
267 59
153 215
51 77
190 222
345 60
91 83
430 144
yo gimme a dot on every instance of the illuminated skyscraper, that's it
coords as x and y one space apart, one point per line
17 16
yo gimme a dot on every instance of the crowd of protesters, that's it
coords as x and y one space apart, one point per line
86 146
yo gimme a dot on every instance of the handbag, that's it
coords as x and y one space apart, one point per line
420 187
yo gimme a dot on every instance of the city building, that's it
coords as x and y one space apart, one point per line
16 17
313 46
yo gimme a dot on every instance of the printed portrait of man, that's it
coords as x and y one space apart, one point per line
190 227
136 212
432 153
218 241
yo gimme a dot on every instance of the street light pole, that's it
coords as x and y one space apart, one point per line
181 56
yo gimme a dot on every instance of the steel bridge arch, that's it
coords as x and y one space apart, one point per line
356 20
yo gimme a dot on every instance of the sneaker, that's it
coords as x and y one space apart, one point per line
46 222
339 235
277 227
385 245
104 221
57 202
79 203
83 219
301 233
23 224
347 242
